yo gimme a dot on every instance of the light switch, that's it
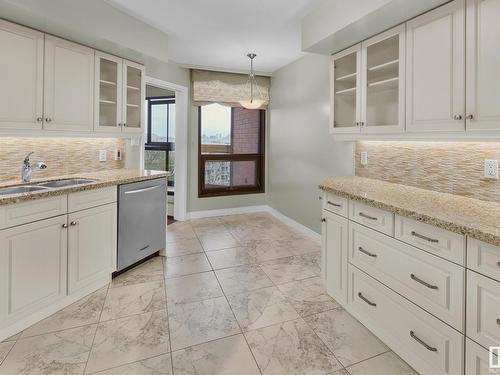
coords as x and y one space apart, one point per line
491 169
102 155
364 158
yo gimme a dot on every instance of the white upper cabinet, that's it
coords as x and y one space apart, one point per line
134 88
345 91
21 77
120 94
383 82
483 62
108 92
68 86
435 86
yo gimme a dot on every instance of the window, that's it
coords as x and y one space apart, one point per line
160 143
231 150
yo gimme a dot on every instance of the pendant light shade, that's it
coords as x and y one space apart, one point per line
253 101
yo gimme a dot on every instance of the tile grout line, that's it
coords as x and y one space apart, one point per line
164 265
234 315
96 328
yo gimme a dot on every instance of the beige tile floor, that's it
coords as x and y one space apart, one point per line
236 295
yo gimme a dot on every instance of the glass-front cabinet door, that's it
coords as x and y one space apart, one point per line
345 84
108 93
383 77
133 97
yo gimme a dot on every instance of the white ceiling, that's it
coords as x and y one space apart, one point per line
218 34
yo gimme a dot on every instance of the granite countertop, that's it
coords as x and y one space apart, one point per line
472 217
102 179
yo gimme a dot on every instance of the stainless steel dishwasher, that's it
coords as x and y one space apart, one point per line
142 220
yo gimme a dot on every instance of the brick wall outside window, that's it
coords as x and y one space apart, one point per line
245 140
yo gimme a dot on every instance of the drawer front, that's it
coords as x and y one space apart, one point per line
430 346
91 198
30 211
477 359
372 217
483 309
483 258
335 204
432 283
435 240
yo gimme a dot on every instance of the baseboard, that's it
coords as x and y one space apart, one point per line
226 211
316 237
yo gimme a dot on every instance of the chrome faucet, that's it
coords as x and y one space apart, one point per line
27 167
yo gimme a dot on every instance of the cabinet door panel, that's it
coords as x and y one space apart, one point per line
108 93
435 70
21 77
134 88
68 86
334 255
91 245
483 60
33 267
345 91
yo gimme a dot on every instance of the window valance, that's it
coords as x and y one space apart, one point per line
226 88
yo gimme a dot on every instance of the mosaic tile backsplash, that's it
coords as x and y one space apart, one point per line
449 167
62 155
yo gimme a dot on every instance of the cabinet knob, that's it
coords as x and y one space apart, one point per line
48 119
39 119
124 124
65 225
73 223
469 116
323 219
457 117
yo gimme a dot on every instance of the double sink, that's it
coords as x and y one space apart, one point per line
44 186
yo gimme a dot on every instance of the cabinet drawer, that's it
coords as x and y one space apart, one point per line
372 217
335 204
430 282
30 211
477 359
483 309
435 240
483 258
427 344
91 198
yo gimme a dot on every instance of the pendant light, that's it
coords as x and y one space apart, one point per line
252 102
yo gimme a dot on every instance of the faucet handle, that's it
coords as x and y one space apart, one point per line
27 158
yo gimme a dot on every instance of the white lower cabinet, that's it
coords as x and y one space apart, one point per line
91 245
48 263
427 344
33 267
483 309
478 359
429 281
334 255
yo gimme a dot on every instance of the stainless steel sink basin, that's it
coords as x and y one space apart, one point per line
66 182
21 189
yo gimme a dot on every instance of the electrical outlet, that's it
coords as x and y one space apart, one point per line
102 155
118 154
491 169
364 158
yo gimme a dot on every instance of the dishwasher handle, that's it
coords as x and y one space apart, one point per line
143 190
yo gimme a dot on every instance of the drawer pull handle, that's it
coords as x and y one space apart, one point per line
415 234
498 321
366 300
367 216
367 252
334 204
426 346
430 286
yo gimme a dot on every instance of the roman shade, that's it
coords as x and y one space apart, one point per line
226 88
